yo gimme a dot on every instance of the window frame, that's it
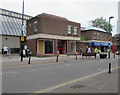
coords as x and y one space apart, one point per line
75 30
69 29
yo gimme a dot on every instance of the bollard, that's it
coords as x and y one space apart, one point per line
29 60
76 56
57 58
109 68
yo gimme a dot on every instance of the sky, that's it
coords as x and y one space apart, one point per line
81 11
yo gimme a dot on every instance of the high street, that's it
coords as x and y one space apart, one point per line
38 77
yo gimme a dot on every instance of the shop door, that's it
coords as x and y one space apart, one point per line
61 47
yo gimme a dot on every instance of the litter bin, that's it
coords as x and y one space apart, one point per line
103 56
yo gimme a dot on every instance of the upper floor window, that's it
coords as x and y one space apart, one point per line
75 30
35 27
96 36
69 29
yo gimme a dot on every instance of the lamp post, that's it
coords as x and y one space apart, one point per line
109 32
22 36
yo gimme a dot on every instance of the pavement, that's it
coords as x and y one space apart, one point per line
15 59
101 82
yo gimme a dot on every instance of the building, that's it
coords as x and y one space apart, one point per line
11 27
116 41
118 22
95 37
116 37
50 34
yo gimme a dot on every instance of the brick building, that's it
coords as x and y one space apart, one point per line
116 41
95 37
50 34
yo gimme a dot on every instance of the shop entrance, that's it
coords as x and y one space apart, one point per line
61 46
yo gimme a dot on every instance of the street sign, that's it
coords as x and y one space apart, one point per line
22 39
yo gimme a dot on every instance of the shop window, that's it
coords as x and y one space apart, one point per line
48 46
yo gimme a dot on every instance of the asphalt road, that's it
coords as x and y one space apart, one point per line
33 78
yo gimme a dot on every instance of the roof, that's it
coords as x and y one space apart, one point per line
116 35
94 28
53 16
11 23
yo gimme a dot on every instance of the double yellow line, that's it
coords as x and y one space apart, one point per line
72 81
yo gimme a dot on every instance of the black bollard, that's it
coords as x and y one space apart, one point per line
57 58
29 60
109 68
76 56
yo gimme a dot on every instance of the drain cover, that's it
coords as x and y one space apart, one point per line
77 86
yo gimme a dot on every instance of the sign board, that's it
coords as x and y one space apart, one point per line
22 38
109 38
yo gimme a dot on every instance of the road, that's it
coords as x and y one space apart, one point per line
33 78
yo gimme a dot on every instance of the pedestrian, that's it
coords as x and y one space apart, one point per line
26 48
86 49
5 50
96 50
81 50
89 50
68 53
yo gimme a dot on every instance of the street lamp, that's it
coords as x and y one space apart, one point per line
109 32
22 36
109 21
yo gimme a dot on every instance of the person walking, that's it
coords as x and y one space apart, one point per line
96 50
5 50
81 50
25 50
89 50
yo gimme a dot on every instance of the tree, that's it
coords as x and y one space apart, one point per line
101 23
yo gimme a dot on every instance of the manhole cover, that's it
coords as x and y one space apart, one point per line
77 86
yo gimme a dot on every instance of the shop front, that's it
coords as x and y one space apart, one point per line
103 47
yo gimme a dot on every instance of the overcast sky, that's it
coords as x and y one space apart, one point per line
81 11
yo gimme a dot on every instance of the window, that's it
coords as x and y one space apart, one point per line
35 27
98 35
69 29
95 36
48 46
75 30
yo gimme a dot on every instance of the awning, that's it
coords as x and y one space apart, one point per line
99 44
94 43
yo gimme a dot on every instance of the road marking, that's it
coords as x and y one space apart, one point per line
72 81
